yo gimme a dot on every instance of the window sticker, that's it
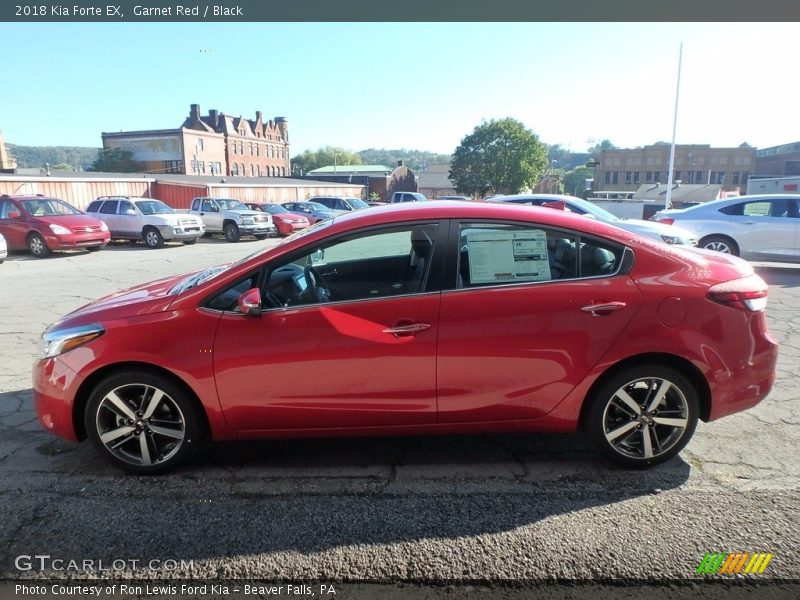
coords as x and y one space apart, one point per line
508 256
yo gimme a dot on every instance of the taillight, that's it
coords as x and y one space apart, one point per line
666 220
748 293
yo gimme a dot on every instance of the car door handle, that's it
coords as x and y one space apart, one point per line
602 308
406 330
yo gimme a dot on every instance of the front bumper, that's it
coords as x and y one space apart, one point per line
55 386
258 229
77 240
181 233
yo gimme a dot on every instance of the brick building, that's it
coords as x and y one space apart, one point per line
377 179
779 161
628 169
215 144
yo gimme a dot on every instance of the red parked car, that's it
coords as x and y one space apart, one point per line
43 224
430 317
285 221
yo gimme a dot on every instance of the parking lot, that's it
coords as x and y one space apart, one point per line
474 508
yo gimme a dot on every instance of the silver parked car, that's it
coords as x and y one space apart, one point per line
3 248
656 231
758 227
147 219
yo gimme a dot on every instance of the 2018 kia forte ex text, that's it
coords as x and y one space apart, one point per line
429 317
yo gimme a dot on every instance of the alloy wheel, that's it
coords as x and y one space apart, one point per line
645 418
140 424
719 246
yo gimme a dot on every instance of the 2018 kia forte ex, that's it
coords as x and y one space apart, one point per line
429 317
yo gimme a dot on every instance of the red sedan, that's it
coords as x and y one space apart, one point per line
417 318
285 221
43 224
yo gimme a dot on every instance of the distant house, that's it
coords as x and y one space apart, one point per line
435 182
377 179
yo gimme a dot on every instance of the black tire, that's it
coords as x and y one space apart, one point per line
172 434
622 430
152 237
38 246
262 236
231 231
95 248
720 243
190 242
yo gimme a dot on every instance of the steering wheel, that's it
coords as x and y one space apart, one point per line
313 280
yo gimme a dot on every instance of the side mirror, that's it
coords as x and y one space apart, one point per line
130 211
249 303
14 214
317 256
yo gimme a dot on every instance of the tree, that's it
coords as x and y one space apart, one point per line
499 156
323 157
604 145
115 160
575 181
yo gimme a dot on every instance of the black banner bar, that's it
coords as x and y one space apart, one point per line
54 11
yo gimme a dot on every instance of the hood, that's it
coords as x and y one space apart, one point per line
70 221
653 229
177 217
246 212
140 300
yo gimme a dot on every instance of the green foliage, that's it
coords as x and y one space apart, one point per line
604 145
77 158
565 159
574 181
115 160
323 157
499 156
416 160
374 197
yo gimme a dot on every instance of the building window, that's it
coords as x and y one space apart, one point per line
173 166
735 177
648 177
241 147
677 176
216 168
636 176
252 170
628 176
607 177
200 144
251 149
256 149
234 169
615 177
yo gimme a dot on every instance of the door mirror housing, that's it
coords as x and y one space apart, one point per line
130 211
249 303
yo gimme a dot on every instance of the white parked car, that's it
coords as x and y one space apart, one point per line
757 227
3 248
656 231
147 219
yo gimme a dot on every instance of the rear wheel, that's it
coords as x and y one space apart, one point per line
38 246
643 416
152 237
142 422
720 243
231 231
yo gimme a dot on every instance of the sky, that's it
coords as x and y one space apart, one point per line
406 85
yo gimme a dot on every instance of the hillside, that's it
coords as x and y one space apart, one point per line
74 158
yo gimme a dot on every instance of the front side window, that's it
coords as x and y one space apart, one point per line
377 264
495 254
126 208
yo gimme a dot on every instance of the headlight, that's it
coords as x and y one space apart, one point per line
62 340
674 239
59 230
103 226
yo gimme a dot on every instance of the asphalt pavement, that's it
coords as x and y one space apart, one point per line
499 508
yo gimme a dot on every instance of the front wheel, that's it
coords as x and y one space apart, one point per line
153 238
142 422
643 415
231 231
38 246
720 243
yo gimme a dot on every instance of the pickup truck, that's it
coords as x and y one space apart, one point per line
232 218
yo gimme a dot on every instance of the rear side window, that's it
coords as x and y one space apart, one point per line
494 254
93 206
109 207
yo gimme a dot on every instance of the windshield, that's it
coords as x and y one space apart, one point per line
230 204
274 209
358 203
316 206
48 207
153 207
588 207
